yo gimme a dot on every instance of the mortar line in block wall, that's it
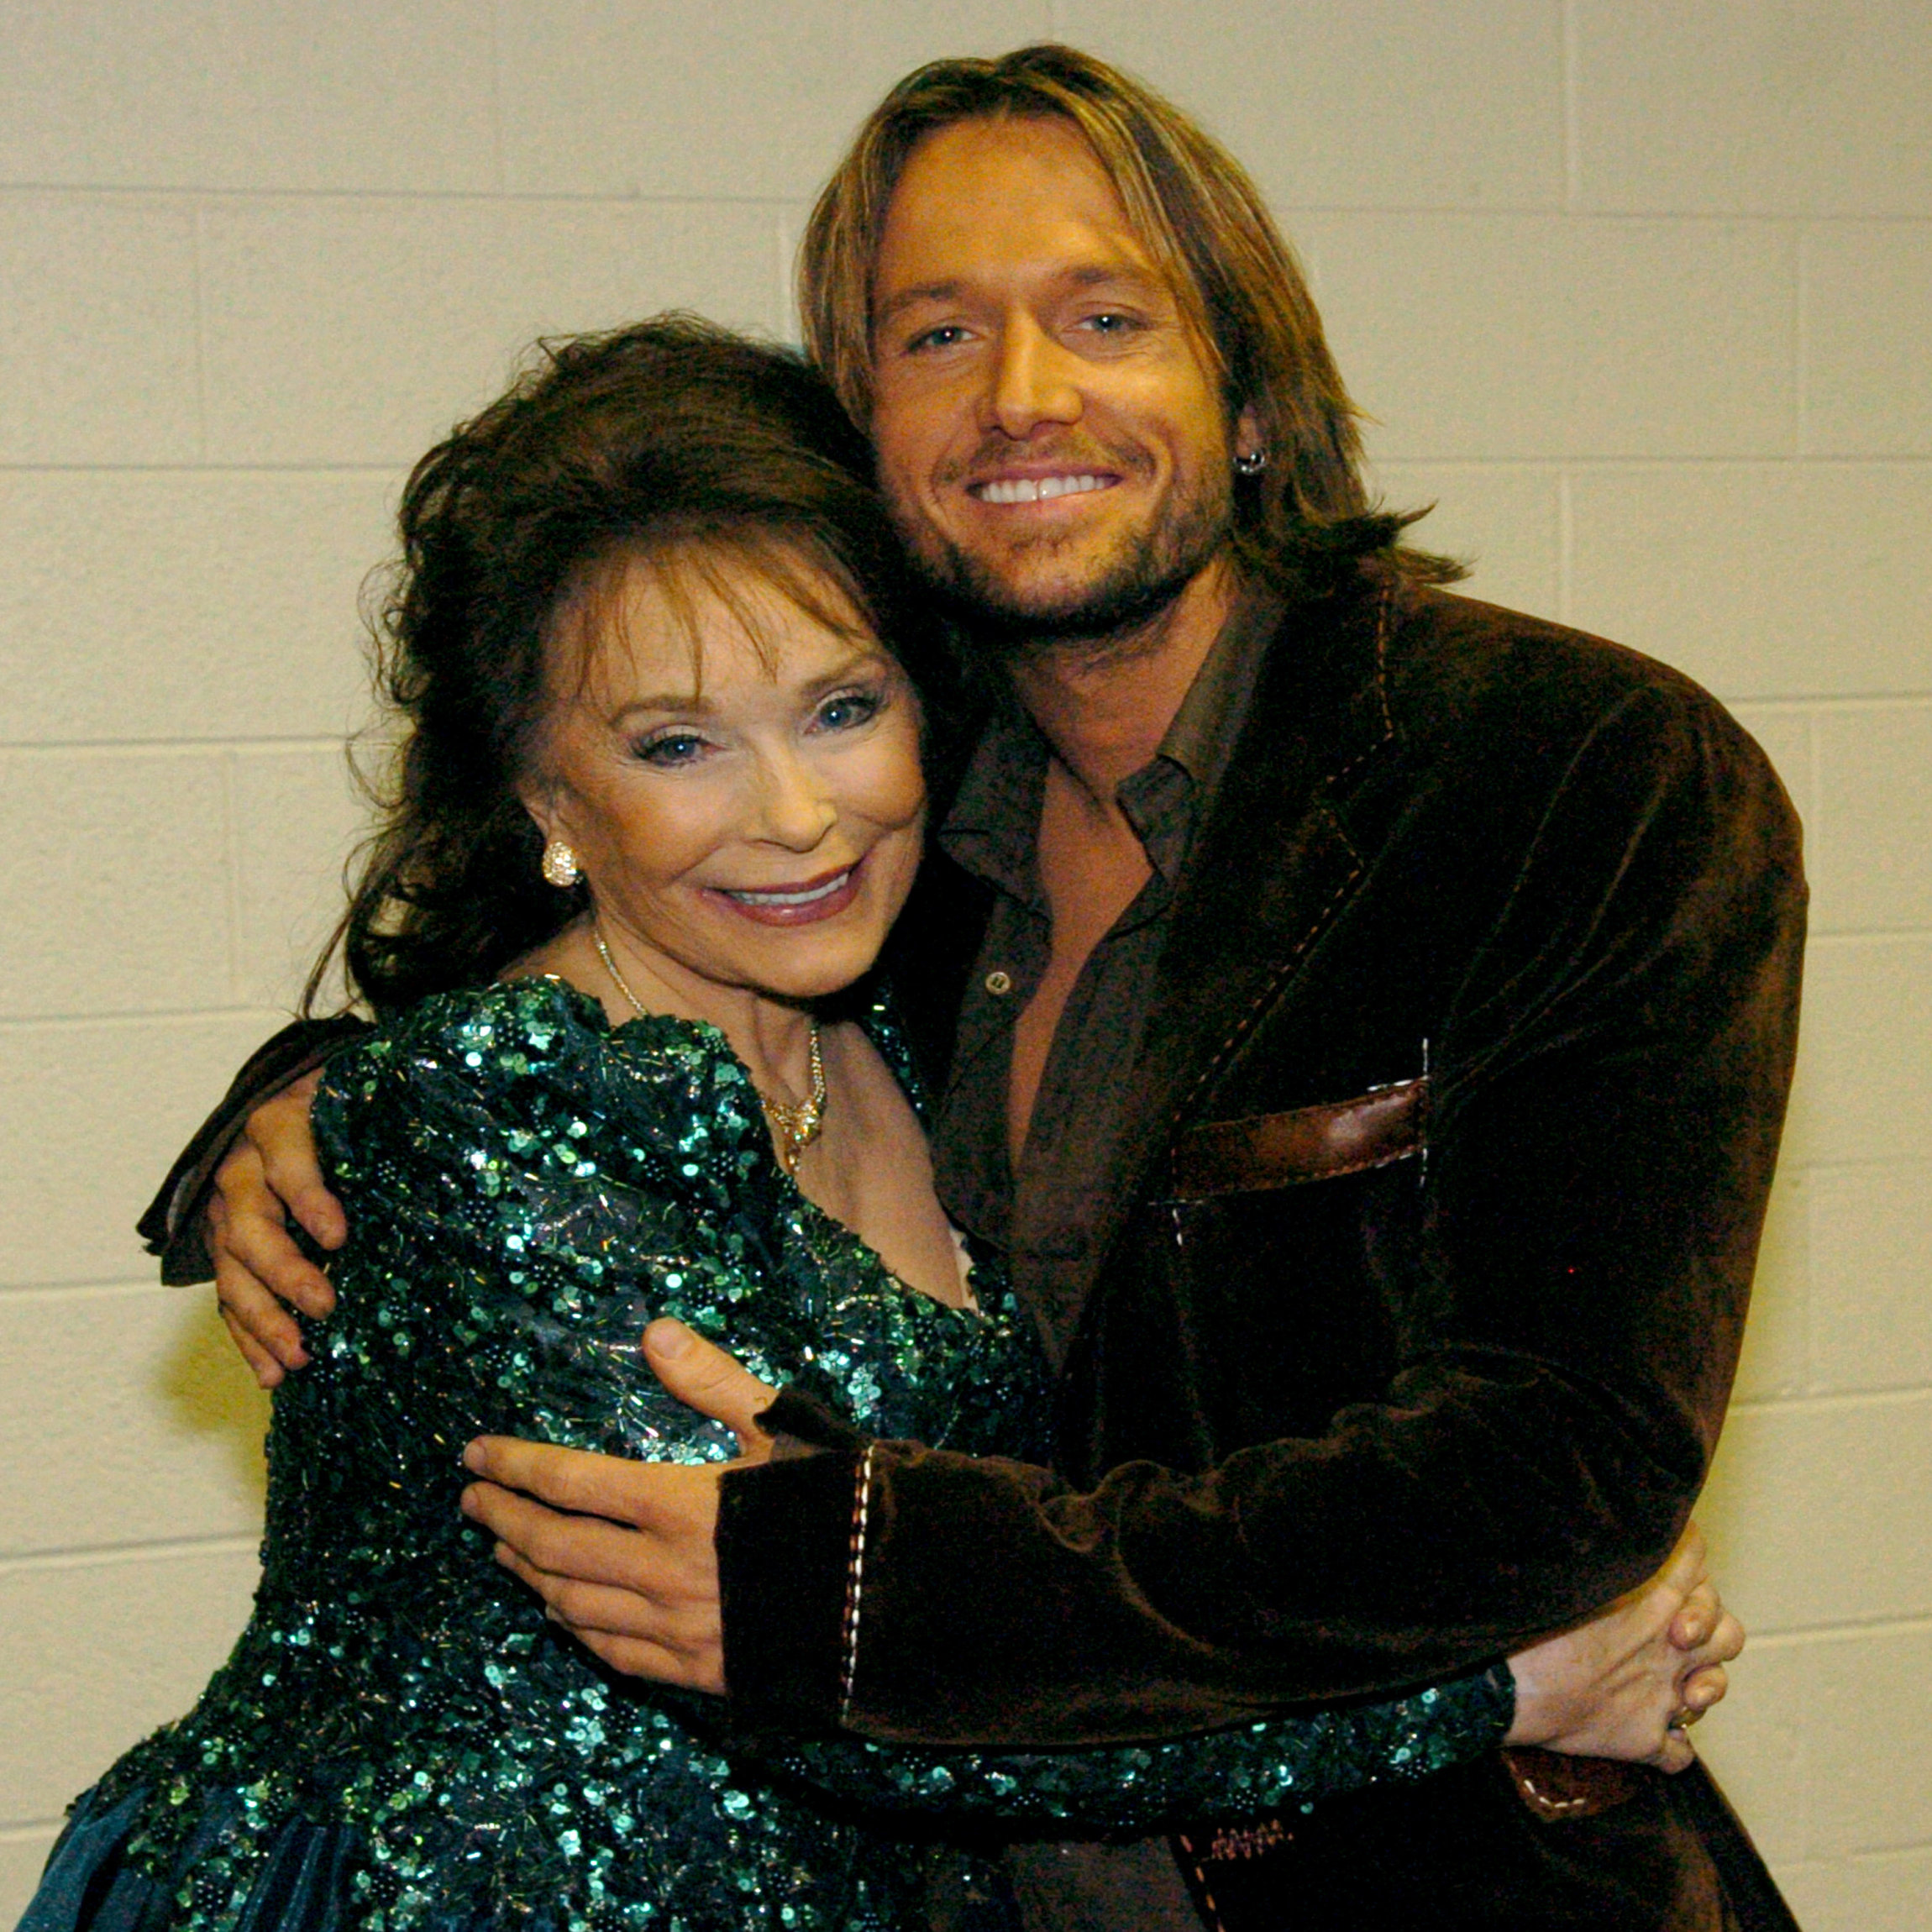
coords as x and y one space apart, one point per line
26 1831
176 197
1812 1636
1571 91
1834 1402
18 1293
215 466
1286 212
167 747
1864 701
266 1016
113 1556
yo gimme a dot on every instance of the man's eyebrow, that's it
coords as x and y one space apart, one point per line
1143 281
911 298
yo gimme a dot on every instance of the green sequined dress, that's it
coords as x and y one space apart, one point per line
399 1740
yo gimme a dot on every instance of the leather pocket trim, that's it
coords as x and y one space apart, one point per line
1265 1151
1557 1788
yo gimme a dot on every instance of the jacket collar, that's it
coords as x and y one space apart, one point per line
1273 865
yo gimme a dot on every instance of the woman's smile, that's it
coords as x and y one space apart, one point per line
801 905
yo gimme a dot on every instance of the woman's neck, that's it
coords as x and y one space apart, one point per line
773 1037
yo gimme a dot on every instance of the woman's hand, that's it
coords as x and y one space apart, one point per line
271 1174
1630 1682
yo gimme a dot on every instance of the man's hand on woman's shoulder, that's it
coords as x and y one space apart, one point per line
260 1273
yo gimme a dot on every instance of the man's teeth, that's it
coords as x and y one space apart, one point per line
808 897
1038 488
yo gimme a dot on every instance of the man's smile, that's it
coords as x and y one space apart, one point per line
1041 489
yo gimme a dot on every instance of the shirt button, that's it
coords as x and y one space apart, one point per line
999 984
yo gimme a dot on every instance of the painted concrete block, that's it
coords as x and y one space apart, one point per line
358 331
1780 106
23 1853
97 351
764 100
1818 1512
1528 336
105 1650
1871 1231
296 818
1883 1892
126 1417
1791 579
1868 1697
1868 369
1362 106
179 605
233 94
1504 520
97 1112
1867 1051
118 883
1870 844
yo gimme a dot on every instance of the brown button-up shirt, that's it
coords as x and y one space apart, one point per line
1043 1214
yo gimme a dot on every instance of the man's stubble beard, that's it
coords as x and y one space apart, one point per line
1116 614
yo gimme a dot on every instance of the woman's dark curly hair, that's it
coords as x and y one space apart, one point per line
669 440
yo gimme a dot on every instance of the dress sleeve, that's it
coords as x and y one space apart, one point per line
1228 1775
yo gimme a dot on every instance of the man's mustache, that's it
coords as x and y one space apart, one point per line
1075 453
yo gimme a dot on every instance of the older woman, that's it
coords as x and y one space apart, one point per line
659 801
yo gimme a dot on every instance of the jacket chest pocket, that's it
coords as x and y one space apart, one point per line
1261 1152
1287 1246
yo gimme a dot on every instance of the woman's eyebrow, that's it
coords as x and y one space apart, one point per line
681 704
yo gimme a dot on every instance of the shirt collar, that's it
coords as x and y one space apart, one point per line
995 819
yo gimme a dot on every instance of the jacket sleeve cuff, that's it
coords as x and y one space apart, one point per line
786 1549
173 1226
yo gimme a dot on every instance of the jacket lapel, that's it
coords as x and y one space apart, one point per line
1270 870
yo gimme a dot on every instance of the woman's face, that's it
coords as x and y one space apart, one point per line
751 820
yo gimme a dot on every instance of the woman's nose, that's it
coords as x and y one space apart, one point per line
794 809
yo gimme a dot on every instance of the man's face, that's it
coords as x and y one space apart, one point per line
1050 430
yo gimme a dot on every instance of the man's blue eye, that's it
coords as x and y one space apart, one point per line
944 336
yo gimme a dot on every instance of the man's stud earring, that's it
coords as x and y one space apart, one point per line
560 866
1250 463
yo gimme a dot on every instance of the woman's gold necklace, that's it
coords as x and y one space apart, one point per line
796 1123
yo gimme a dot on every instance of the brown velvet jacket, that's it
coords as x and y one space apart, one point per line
1450 1139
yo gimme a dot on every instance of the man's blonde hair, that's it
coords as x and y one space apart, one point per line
1194 207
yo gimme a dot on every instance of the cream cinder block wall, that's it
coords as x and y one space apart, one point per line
1639 292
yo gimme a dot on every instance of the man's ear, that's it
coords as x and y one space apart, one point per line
1248 440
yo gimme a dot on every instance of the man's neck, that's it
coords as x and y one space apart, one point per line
1105 705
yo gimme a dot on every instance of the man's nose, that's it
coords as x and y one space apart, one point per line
1032 383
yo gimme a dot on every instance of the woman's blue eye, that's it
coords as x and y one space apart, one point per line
847 709
673 748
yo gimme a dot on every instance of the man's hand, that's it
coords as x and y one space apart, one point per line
1628 1683
271 1174
623 1553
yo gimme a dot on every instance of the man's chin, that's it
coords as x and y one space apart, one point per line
1013 620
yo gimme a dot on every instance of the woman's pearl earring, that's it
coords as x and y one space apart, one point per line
560 868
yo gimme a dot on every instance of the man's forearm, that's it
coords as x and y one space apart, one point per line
172 1227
